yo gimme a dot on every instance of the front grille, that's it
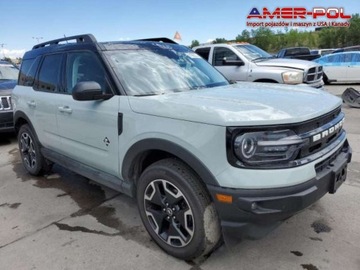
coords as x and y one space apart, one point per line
322 137
314 74
5 103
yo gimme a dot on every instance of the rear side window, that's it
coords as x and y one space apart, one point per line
24 69
28 71
204 53
49 73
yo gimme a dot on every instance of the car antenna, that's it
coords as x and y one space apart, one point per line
66 40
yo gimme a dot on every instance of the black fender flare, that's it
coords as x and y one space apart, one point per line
144 145
17 116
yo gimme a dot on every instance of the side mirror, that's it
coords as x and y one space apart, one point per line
227 62
88 91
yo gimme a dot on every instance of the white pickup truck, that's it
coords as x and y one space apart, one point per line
246 62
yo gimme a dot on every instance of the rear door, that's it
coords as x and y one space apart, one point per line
335 68
354 67
42 104
88 129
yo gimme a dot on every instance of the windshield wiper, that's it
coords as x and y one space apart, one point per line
263 58
147 95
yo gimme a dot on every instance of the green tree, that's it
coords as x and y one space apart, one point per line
244 36
219 40
353 36
263 38
194 43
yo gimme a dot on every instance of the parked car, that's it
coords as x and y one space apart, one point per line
341 67
348 49
302 53
246 62
8 79
157 122
322 52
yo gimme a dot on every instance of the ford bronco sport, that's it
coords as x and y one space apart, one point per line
202 157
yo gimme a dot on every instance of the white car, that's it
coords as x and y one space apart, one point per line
341 67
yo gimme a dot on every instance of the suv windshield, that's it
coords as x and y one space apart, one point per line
160 71
8 72
252 52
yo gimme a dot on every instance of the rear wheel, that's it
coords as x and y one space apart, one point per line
176 210
326 80
31 156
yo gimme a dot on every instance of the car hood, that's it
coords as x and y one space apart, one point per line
287 63
7 85
240 104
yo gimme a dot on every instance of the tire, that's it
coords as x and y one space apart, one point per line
30 153
326 80
177 210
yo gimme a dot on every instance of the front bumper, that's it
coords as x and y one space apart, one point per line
255 212
6 121
317 84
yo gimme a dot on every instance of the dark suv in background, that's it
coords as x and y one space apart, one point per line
8 79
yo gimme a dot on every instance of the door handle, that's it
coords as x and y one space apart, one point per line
65 109
31 103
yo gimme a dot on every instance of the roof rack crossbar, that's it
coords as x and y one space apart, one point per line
86 38
160 39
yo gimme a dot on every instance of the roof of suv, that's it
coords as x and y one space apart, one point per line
88 41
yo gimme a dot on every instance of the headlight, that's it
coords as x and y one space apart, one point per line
293 77
266 148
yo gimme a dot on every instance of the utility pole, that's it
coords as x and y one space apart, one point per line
37 39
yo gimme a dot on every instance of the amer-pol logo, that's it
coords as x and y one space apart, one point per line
298 15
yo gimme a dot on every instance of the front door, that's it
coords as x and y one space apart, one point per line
89 129
232 73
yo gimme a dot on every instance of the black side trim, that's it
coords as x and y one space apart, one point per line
20 114
141 147
120 123
100 177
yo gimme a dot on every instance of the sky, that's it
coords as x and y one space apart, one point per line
25 22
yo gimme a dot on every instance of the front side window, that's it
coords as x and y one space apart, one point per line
162 70
82 67
49 73
221 53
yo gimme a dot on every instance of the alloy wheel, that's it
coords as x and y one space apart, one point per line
169 213
28 150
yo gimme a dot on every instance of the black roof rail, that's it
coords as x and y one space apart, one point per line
160 39
86 38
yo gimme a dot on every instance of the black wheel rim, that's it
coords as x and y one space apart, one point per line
169 213
28 150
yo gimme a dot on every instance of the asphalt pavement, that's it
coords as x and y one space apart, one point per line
63 221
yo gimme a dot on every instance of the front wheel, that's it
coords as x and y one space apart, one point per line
325 79
176 210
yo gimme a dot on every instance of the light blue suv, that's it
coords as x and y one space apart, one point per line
203 157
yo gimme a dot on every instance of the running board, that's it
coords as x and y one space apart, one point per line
100 177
